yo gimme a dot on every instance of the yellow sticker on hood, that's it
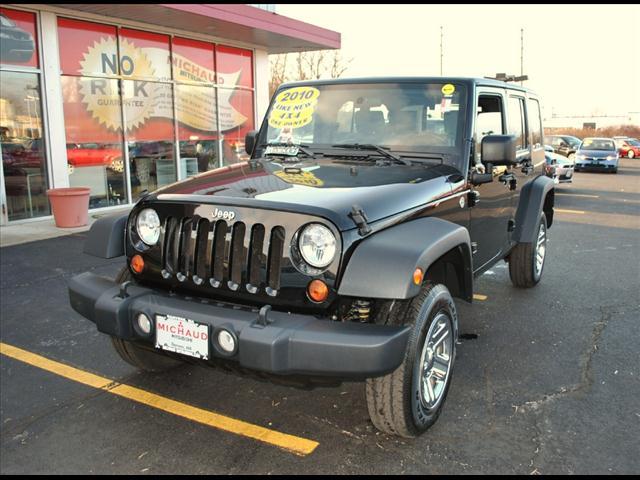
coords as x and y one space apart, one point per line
294 107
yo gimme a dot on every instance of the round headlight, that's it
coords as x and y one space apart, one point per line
148 226
317 245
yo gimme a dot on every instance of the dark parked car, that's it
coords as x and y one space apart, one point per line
337 257
598 154
565 145
16 45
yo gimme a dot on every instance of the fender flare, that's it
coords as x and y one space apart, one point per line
382 265
530 206
106 236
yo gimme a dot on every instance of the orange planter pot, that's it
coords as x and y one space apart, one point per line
70 206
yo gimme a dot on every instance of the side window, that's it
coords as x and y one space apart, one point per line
535 122
516 121
489 120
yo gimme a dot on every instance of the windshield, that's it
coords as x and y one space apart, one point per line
404 117
572 141
635 143
597 144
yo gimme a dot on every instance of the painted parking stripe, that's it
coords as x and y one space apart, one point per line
560 210
577 195
479 296
298 445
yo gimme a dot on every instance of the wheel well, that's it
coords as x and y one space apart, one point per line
453 270
547 208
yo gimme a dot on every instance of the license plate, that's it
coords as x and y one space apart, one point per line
181 335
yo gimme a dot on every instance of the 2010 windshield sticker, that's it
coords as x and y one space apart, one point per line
294 107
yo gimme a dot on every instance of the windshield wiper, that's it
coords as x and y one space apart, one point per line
300 148
377 148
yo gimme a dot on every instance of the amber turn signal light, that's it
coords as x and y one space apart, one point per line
137 263
317 291
418 275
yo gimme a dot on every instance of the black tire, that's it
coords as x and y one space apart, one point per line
136 355
395 400
523 268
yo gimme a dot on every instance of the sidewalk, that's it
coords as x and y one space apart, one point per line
46 228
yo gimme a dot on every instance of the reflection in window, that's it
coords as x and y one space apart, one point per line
236 119
23 156
516 121
148 111
197 129
93 130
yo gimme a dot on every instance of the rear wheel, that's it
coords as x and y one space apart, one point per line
140 357
409 400
526 260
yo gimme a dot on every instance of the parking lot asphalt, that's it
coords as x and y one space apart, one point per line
547 380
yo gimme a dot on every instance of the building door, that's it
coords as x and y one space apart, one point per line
24 162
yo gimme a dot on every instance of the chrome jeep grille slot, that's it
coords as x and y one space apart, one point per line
202 247
255 257
219 243
236 256
276 244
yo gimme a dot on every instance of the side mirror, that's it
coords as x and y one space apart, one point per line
250 141
499 149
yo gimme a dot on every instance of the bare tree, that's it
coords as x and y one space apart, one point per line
307 65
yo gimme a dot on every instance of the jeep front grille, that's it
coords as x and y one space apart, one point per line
237 255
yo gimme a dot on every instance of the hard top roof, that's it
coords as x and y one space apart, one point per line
465 80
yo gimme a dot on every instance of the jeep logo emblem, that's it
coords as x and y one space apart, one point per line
223 214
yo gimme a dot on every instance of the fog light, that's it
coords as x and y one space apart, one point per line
144 323
227 341
317 291
137 263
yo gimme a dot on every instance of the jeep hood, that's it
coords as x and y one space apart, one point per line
327 187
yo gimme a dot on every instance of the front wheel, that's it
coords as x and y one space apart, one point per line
631 154
526 260
409 400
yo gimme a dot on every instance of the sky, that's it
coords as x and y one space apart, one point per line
580 59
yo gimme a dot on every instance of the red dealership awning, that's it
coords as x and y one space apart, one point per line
242 23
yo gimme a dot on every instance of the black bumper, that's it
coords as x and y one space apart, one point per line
286 344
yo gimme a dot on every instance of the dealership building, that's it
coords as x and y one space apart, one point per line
126 98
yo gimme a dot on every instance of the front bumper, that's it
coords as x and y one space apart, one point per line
286 344
603 166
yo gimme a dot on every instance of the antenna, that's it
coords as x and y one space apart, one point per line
441 51
521 54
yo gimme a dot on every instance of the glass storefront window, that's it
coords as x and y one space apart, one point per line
144 55
193 61
148 111
236 119
197 128
19 45
22 145
234 67
87 48
93 127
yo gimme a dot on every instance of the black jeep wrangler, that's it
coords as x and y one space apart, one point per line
334 253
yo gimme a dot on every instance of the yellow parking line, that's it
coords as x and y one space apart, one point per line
577 195
479 296
298 445
580 212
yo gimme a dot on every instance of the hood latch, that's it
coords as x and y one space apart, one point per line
360 219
